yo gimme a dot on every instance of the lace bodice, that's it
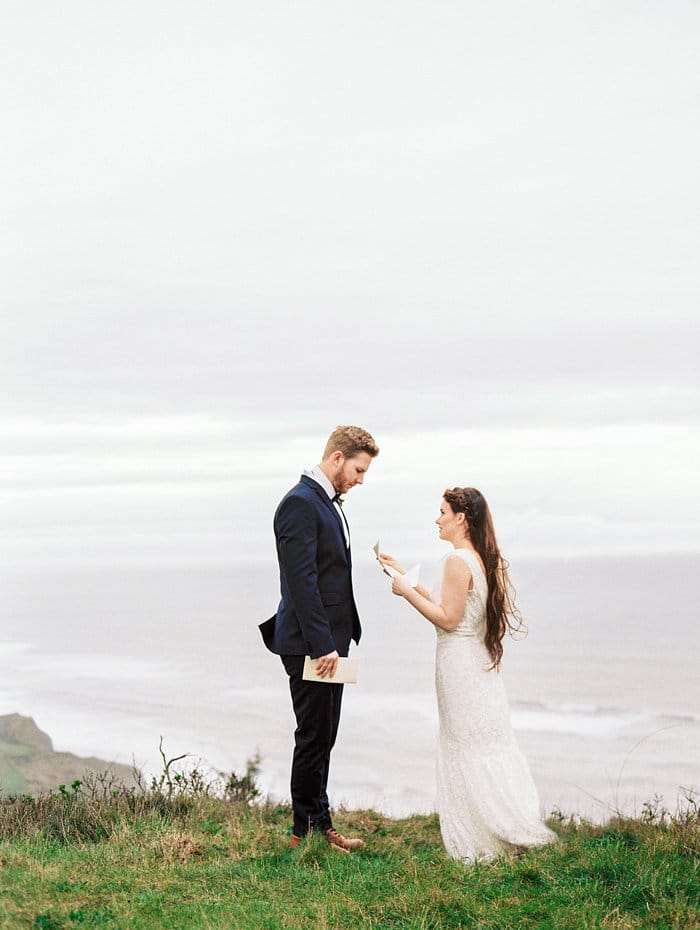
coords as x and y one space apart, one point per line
473 623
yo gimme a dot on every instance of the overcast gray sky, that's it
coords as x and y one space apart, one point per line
471 227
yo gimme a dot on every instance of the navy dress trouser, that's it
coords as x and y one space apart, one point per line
317 710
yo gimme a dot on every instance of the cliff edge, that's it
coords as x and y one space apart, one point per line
29 764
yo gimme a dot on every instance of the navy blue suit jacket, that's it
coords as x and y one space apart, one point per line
317 612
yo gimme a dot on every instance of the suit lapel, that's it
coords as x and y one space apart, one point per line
327 502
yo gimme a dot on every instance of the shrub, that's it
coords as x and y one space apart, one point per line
94 807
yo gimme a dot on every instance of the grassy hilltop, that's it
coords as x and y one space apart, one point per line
183 854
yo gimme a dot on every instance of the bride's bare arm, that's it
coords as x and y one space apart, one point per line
455 585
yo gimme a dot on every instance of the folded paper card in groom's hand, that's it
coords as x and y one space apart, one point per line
345 673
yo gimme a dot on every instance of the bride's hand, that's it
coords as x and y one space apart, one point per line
400 585
389 560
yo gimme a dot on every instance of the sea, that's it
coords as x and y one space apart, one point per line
604 687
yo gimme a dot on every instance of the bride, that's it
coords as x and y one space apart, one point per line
487 800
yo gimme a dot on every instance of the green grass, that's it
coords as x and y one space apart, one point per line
180 861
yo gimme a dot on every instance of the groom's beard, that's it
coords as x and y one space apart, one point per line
341 482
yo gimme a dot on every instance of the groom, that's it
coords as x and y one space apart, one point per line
317 617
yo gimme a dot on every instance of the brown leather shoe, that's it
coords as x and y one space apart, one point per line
346 843
294 841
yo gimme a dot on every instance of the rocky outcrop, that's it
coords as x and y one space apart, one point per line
29 765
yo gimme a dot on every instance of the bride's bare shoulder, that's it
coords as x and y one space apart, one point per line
455 565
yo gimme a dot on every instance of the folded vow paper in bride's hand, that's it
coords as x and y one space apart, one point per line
345 673
412 574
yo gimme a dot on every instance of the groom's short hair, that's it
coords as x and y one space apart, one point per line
350 440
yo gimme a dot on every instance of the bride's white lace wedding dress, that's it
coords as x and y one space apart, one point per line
487 800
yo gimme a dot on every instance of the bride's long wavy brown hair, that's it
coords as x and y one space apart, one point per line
502 616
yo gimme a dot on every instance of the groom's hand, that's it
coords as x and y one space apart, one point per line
326 665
